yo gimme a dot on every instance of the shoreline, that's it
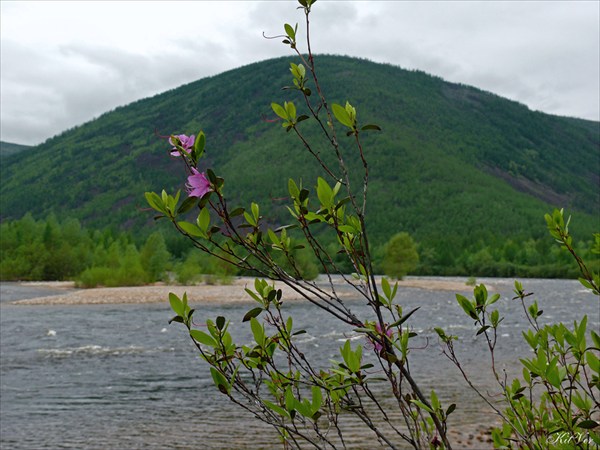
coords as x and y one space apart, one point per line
232 293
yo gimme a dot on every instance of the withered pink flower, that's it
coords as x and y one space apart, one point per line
186 143
388 332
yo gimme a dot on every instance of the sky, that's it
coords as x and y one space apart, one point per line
65 63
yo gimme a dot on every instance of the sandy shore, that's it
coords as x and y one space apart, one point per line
203 293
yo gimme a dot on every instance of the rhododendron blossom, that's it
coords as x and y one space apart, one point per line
186 143
197 185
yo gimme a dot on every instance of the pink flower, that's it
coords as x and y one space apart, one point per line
197 185
388 332
185 142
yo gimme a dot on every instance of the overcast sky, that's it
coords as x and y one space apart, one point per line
64 63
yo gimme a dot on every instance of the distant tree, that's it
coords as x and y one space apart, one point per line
155 257
400 256
481 262
130 272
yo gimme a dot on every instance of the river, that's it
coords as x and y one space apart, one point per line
120 377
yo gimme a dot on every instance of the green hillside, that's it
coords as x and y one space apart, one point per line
8 148
453 166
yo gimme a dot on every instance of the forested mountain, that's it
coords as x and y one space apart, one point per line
8 148
453 165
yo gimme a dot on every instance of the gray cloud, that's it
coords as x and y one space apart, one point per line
543 54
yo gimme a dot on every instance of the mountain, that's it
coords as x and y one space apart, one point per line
8 148
453 164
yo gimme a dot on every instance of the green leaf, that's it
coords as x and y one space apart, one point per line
422 405
595 339
237 212
290 109
279 110
249 219
290 400
531 338
203 338
304 408
593 361
389 357
295 69
481 294
586 283
530 366
493 299
155 201
290 31
255 211
199 144
187 205
347 229
191 229
317 399
324 193
587 424
435 402
176 304
363 330
482 330
467 306
172 201
371 127
278 409
203 220
581 331
274 239
404 344
495 318
258 331
553 377
404 318
303 194
385 285
450 409
254 312
293 189
342 115
351 358
499 441
211 176
440 332
220 381
254 296
271 295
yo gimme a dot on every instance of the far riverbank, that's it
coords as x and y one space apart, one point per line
65 293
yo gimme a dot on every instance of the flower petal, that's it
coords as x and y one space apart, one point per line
197 185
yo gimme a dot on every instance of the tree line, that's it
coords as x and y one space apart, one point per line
63 249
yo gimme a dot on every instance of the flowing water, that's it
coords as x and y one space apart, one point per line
120 377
